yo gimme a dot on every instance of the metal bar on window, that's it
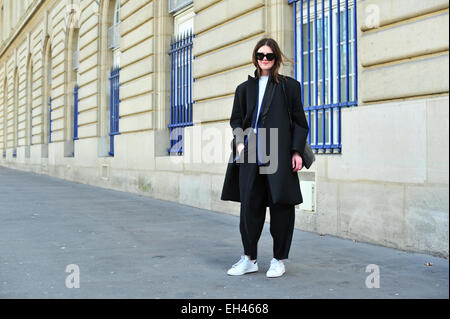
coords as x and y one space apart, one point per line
171 84
184 104
301 52
177 117
181 90
347 43
331 73
114 107
339 49
295 44
309 67
111 114
339 72
324 65
355 51
189 79
185 41
316 80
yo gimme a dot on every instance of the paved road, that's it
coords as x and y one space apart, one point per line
129 246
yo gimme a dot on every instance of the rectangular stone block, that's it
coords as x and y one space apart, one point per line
224 59
133 37
124 158
136 19
137 52
136 70
141 121
213 110
195 190
132 6
136 104
400 42
438 140
207 147
165 185
405 79
372 212
327 207
393 11
232 31
426 219
220 84
382 142
217 12
137 87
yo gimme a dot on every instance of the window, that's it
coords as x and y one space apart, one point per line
47 86
181 80
16 112
176 5
114 78
75 66
114 107
114 35
5 123
2 23
325 55
29 82
49 89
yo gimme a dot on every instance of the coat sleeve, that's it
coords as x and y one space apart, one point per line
300 125
236 120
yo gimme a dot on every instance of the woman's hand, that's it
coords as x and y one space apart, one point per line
297 162
240 147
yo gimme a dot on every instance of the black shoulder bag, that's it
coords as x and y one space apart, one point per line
308 156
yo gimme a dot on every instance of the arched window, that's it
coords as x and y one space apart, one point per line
2 22
73 125
181 78
15 112
115 41
29 116
5 108
109 64
47 102
117 12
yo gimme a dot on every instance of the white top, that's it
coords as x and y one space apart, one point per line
262 89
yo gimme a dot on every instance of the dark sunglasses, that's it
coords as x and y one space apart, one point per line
269 56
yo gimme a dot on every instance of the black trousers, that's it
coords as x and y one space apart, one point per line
254 201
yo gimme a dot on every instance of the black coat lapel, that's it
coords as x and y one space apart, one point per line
252 98
267 100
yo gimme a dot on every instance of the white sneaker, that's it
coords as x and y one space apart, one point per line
276 269
243 266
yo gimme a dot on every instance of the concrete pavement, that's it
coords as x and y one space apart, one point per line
129 246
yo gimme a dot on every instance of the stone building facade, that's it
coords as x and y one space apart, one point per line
384 182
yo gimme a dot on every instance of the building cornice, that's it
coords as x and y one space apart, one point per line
22 23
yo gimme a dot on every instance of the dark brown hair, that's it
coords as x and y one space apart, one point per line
278 57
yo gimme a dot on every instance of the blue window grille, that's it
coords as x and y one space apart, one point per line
75 113
114 104
326 59
180 90
50 120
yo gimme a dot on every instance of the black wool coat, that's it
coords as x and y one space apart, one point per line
283 183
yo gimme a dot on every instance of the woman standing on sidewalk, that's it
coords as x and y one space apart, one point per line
261 103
